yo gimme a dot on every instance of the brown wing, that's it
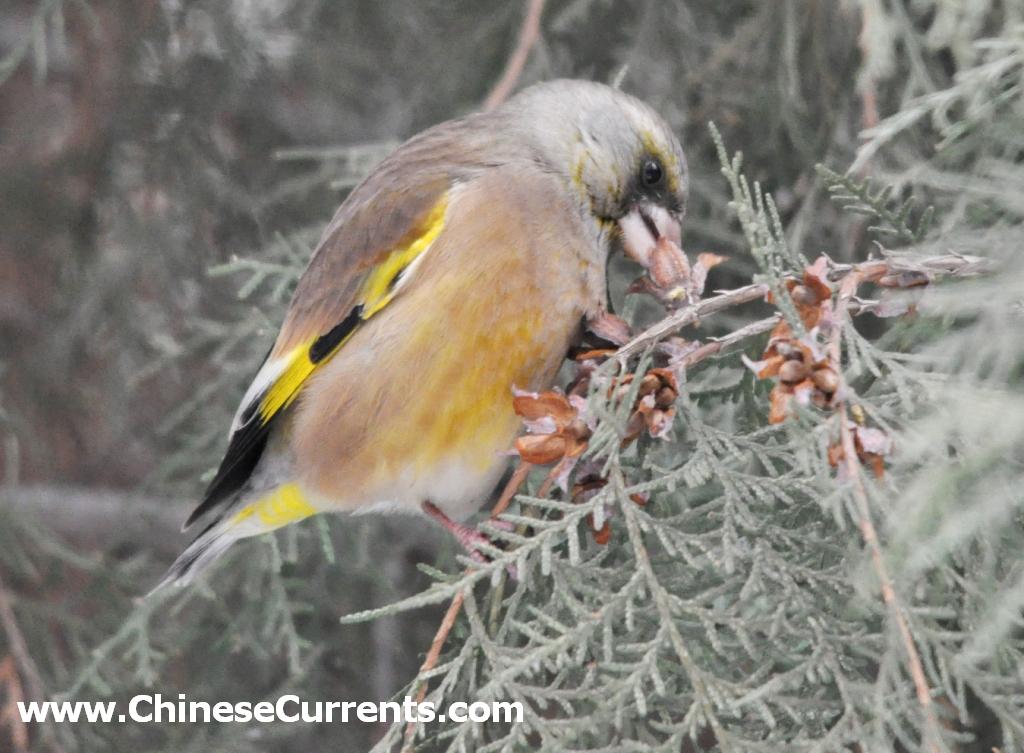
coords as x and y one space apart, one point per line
388 211
357 268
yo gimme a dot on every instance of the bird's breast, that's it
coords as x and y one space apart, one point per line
418 404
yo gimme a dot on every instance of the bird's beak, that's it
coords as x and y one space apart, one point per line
643 226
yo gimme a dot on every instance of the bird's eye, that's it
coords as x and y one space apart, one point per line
651 173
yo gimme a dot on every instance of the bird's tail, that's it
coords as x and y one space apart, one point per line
204 550
285 504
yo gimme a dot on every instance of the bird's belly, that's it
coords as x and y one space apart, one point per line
450 441
436 422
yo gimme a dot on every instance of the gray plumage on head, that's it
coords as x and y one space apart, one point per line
595 137
599 139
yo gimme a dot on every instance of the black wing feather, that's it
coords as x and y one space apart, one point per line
243 453
250 439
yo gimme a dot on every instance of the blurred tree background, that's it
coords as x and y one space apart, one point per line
165 169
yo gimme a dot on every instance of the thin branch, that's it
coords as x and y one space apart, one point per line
689 315
9 716
528 35
715 345
18 647
867 85
870 271
447 623
515 482
847 289
957 265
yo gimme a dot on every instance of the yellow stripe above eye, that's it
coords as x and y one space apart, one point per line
665 156
378 288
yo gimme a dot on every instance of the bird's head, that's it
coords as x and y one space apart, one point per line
618 156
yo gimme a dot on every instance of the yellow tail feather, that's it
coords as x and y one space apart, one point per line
286 504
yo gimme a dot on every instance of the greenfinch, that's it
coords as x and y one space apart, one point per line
462 268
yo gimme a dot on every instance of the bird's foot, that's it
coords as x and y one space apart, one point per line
471 539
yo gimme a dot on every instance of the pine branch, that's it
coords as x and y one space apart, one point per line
850 276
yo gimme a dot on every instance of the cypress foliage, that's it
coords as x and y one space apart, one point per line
812 544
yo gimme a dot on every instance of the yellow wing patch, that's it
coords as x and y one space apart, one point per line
379 287
377 291
286 504
286 387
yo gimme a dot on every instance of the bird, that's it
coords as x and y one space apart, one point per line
463 267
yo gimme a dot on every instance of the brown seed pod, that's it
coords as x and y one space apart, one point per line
578 429
649 384
826 380
541 449
634 426
803 295
792 372
666 397
788 350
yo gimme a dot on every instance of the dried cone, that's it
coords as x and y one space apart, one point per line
826 380
557 431
812 296
872 446
670 278
654 408
805 374
542 449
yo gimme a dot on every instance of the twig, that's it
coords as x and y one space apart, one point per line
18 646
689 315
868 85
958 265
448 621
9 716
870 271
847 289
516 481
528 34
19 650
716 345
